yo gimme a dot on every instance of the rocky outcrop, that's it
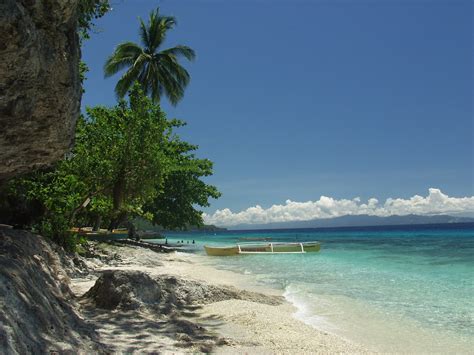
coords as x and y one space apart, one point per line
39 83
38 313
127 289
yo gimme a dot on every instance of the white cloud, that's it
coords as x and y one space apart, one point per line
326 207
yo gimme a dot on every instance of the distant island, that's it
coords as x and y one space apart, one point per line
358 221
204 228
144 225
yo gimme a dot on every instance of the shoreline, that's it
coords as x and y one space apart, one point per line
367 328
129 299
242 325
354 321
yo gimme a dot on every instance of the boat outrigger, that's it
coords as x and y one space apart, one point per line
263 248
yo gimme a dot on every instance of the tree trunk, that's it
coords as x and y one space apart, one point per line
118 193
119 219
97 223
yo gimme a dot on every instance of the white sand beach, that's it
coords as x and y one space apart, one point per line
261 322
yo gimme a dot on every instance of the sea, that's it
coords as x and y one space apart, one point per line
397 289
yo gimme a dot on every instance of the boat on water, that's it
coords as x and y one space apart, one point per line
120 233
255 239
263 248
101 234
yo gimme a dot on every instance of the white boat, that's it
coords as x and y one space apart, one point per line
263 248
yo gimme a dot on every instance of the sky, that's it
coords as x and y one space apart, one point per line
299 100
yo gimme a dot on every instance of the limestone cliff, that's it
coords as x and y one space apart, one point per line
39 83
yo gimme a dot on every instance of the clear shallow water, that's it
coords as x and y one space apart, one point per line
393 288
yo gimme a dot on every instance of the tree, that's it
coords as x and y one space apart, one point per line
183 189
120 150
158 71
127 162
44 201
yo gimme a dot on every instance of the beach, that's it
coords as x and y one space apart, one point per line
139 297
261 322
171 182
401 289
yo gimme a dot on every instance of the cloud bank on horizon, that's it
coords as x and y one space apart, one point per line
327 207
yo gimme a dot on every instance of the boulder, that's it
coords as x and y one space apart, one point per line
165 294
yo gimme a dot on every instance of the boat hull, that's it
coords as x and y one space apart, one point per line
221 251
267 248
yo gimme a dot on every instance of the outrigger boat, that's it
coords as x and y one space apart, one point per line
101 234
263 248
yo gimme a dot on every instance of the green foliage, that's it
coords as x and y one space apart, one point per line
58 192
89 10
158 71
127 162
120 152
183 188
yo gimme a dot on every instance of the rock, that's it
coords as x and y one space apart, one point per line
37 308
126 289
39 83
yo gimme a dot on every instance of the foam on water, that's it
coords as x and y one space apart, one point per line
305 312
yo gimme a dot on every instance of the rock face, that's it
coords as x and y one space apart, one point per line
39 83
37 308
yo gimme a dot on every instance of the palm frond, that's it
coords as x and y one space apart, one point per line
155 83
171 88
157 28
181 51
158 72
125 54
175 78
131 75
142 77
171 64
144 34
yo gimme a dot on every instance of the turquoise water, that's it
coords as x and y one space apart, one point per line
392 288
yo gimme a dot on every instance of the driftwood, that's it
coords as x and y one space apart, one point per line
160 248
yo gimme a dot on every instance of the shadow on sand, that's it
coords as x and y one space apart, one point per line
135 312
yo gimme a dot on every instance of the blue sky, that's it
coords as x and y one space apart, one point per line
298 99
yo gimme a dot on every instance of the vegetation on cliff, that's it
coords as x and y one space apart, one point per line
127 162
88 11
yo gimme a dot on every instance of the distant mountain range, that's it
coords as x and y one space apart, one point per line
145 225
359 221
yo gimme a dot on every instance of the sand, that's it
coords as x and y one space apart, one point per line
261 321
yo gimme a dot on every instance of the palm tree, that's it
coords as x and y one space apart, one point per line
158 71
